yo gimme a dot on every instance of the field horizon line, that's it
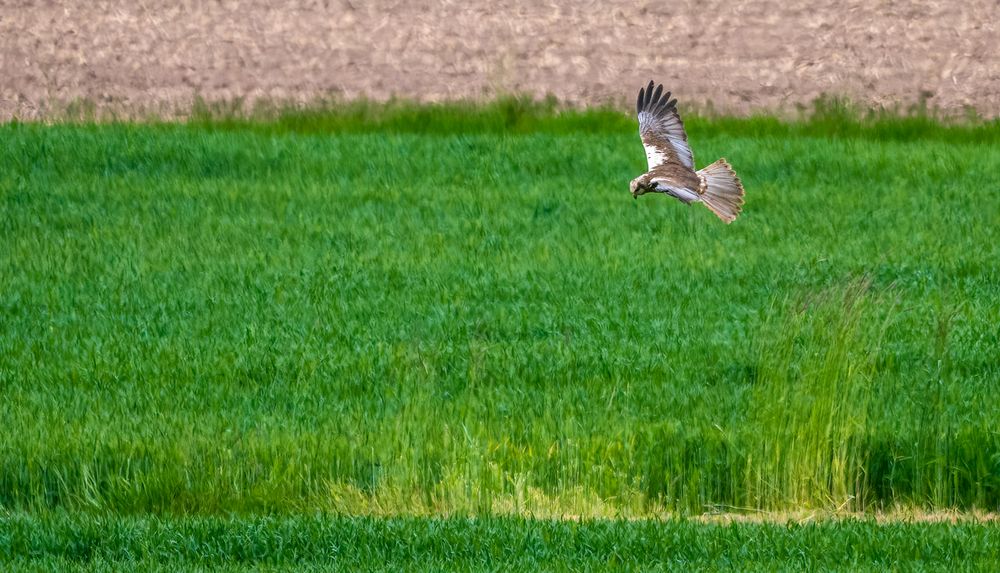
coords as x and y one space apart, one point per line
826 116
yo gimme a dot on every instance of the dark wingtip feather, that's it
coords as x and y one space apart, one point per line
653 101
662 105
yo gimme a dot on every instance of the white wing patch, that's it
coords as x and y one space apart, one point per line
653 156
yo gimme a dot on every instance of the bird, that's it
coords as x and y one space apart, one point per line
671 162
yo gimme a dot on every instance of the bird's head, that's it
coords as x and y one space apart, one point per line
639 186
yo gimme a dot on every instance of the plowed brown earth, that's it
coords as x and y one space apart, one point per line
772 55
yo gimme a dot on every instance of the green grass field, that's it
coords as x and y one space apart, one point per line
61 542
453 310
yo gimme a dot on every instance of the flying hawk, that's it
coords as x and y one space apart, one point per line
671 163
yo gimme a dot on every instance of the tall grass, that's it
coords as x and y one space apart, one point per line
817 368
261 316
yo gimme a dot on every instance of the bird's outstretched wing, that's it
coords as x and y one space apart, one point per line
661 129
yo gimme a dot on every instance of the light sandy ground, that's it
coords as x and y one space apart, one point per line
741 56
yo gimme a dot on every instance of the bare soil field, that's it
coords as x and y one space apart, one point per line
157 56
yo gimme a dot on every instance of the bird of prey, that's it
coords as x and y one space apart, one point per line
671 163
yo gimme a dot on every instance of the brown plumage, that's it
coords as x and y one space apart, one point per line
670 161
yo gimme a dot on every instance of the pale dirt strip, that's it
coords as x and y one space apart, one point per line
157 55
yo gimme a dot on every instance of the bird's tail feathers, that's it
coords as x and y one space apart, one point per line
723 191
